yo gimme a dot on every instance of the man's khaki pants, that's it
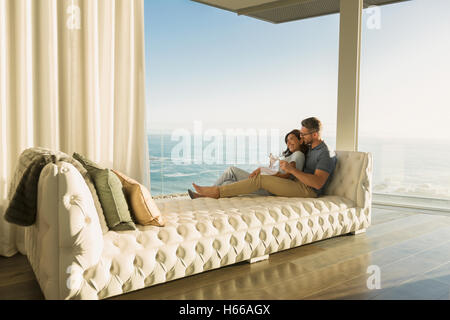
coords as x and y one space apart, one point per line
276 185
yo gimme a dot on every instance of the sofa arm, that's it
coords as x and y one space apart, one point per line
364 187
67 238
352 178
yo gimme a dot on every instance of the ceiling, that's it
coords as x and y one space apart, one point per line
279 11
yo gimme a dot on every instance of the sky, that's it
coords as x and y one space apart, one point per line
228 71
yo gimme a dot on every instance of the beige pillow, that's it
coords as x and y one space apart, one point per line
140 201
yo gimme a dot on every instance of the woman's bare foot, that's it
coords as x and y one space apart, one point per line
194 195
210 192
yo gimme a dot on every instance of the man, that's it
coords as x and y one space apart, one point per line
309 183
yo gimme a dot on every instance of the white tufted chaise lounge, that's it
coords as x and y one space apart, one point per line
73 259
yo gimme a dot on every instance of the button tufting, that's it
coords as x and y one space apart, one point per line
140 239
163 235
285 212
200 227
273 214
181 230
232 222
87 274
262 235
216 244
190 270
126 287
199 248
233 241
149 280
207 265
137 262
160 256
181 253
170 274
297 210
217 224
87 220
260 217
276 232
114 270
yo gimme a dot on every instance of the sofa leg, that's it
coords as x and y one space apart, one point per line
257 259
354 233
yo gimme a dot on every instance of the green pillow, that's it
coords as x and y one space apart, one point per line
110 194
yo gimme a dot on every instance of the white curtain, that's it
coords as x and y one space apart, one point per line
72 78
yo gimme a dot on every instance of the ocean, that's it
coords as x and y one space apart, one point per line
406 167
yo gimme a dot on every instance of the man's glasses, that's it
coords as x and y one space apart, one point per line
307 134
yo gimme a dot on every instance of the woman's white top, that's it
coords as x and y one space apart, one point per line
299 158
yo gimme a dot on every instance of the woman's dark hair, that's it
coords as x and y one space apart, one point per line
303 147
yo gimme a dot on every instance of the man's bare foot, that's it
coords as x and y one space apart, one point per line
210 192
197 187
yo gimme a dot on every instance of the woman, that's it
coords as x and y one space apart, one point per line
294 154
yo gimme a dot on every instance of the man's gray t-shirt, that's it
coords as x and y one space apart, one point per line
320 158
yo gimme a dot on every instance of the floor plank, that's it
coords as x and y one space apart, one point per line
398 264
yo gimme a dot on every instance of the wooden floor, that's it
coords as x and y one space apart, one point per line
411 249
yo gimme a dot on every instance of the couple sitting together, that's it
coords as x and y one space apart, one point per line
305 172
